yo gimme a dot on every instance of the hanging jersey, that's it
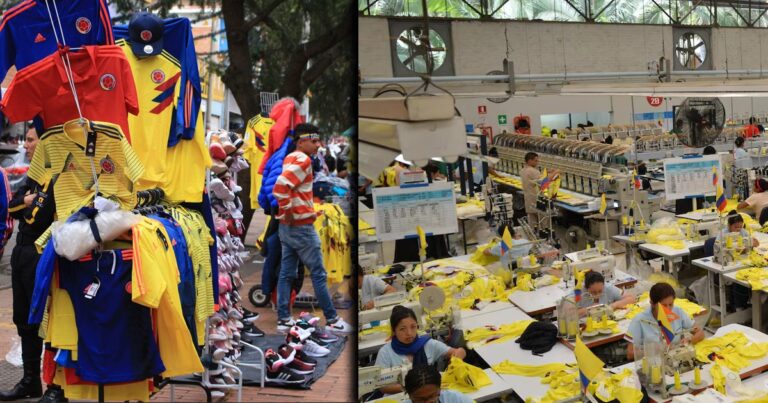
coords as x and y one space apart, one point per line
157 88
115 338
62 328
138 390
155 280
256 140
26 34
102 77
186 165
60 156
179 43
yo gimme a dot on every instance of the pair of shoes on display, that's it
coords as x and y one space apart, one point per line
300 339
317 334
284 370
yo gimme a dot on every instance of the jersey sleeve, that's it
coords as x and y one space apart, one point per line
22 101
106 23
190 95
38 170
7 49
134 169
129 90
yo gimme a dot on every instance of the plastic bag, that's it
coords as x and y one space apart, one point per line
14 354
666 231
74 238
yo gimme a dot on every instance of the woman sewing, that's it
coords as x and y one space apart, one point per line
645 328
735 227
408 347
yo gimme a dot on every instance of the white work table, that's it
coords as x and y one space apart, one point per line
755 368
630 244
671 256
757 305
524 386
501 313
544 299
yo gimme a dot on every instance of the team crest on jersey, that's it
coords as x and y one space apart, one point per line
83 25
158 76
146 35
107 165
108 82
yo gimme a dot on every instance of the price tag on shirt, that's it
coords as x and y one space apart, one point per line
91 290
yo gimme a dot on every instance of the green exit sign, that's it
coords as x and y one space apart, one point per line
502 119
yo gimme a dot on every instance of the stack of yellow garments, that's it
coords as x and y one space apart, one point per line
363 226
757 277
734 350
562 378
463 377
492 334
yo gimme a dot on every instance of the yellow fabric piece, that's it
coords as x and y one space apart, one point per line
260 240
486 335
155 278
479 256
563 382
138 390
256 139
422 242
507 367
618 387
362 225
757 277
335 232
185 168
524 282
730 347
670 236
62 328
718 379
385 328
463 377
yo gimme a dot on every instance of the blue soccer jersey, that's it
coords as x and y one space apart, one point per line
115 339
26 34
179 42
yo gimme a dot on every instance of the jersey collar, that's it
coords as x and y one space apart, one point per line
83 64
74 132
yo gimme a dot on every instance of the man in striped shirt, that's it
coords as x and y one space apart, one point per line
299 240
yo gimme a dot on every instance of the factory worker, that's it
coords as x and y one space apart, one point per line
596 292
370 287
756 202
422 385
735 225
407 346
644 326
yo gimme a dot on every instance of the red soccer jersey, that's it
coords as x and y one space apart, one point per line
102 78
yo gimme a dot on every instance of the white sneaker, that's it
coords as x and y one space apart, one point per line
302 333
313 349
283 326
339 325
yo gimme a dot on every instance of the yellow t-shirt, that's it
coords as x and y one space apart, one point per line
256 140
157 88
138 390
186 165
62 328
60 155
155 279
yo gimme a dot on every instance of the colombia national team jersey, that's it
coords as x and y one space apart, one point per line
26 34
178 43
60 156
158 87
102 77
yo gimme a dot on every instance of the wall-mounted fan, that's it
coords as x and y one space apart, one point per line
698 121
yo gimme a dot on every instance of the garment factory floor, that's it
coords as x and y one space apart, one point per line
335 386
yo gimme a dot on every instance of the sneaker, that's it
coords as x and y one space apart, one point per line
219 354
339 325
320 342
235 314
313 349
301 333
296 366
250 317
304 358
252 331
54 394
325 336
283 325
307 317
277 371
305 325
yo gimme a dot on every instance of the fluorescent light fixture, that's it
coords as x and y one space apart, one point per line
708 88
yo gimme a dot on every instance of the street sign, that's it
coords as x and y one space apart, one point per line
502 119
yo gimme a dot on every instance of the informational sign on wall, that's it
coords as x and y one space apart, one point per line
502 119
482 110
400 209
654 101
688 177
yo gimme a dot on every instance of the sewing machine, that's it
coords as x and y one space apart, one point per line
604 265
371 378
596 312
374 317
367 261
391 299
732 247
705 229
680 358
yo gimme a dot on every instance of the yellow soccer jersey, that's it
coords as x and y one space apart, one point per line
60 155
256 140
157 86
186 167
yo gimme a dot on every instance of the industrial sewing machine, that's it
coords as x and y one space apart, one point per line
680 358
732 247
371 378
605 265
